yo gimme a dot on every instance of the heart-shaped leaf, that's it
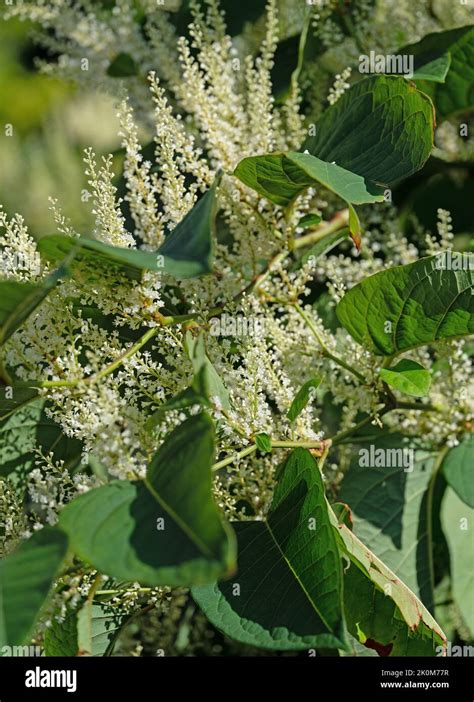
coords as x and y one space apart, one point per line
26 576
287 594
378 132
396 309
166 530
409 377
282 177
381 128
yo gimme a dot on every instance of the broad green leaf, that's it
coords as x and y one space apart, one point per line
91 630
458 525
123 66
386 489
454 50
287 594
302 397
60 639
458 469
381 611
19 300
264 443
282 177
165 530
409 377
409 306
381 129
26 577
97 628
186 252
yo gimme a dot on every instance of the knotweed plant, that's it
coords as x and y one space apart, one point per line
237 414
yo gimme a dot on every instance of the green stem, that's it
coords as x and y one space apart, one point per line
235 456
339 221
299 444
338 438
101 374
326 353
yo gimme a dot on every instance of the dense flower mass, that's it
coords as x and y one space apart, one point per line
101 354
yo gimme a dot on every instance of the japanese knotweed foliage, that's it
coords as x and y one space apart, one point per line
183 432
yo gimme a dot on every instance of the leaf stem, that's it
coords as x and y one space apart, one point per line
100 374
338 222
326 353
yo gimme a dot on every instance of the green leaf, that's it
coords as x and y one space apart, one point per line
207 381
264 443
354 227
91 630
458 468
186 252
131 262
325 245
409 377
29 428
381 128
123 66
188 249
13 398
458 524
166 530
381 611
435 69
288 591
282 177
97 629
19 300
26 576
386 489
409 306
309 221
452 49
60 639
206 389
302 398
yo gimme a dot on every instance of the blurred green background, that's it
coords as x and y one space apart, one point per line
51 123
